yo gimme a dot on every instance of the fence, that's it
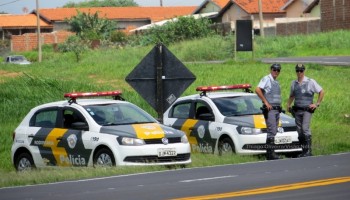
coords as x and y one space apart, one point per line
29 41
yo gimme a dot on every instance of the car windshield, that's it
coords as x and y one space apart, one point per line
239 105
118 114
18 58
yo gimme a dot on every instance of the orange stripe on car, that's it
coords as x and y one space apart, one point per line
52 141
190 123
259 121
148 131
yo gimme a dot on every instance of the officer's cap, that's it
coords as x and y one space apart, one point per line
275 66
300 67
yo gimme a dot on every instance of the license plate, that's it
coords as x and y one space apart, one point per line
167 152
283 140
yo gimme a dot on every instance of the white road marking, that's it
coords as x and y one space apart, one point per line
205 179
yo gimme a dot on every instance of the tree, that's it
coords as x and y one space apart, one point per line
91 27
101 3
76 45
184 28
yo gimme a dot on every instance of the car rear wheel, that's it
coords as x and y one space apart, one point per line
24 162
226 147
104 158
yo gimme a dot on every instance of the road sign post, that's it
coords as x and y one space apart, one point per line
160 78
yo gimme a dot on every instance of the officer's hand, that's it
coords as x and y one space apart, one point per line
268 106
312 106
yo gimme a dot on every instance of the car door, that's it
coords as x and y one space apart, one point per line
194 118
72 149
57 144
40 126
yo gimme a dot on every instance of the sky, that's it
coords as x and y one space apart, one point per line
19 6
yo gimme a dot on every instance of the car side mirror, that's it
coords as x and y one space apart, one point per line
206 117
80 126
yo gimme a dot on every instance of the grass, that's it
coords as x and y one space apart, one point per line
23 87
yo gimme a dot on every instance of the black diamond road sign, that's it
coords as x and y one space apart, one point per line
160 78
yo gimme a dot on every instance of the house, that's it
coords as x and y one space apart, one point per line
314 9
21 24
296 8
125 17
249 9
209 6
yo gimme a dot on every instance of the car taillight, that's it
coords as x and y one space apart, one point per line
13 136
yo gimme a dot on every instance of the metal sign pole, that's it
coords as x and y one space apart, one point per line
235 49
159 85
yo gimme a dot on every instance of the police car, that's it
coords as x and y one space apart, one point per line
224 122
83 131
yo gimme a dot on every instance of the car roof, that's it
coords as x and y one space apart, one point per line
82 102
214 95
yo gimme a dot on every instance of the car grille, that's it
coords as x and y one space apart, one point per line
293 145
156 159
159 140
286 129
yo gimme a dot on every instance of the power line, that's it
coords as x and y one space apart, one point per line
9 3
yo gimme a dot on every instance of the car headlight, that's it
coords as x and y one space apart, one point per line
249 130
184 139
130 141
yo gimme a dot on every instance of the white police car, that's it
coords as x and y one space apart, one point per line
95 132
228 122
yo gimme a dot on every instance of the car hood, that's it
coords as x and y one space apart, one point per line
142 131
258 121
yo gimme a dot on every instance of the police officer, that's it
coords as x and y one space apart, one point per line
302 93
269 92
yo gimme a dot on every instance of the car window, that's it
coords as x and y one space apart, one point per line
236 106
116 114
71 117
44 118
181 111
203 111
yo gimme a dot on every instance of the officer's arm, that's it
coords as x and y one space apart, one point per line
320 98
260 94
289 103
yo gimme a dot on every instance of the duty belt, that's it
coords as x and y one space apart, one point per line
296 108
276 107
273 107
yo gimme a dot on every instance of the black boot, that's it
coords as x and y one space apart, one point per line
306 146
270 150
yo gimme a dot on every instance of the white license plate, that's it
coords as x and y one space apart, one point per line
283 140
166 152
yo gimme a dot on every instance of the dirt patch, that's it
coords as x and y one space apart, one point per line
8 74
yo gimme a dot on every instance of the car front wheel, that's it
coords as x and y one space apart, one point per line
226 147
104 158
24 162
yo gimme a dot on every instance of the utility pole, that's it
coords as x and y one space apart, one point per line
38 30
161 3
261 20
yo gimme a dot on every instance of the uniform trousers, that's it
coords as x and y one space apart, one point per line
302 120
273 117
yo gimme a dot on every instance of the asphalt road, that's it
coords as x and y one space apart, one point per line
300 178
322 60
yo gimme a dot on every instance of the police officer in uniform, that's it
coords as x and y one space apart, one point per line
269 92
302 93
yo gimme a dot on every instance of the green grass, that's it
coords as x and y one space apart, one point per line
23 87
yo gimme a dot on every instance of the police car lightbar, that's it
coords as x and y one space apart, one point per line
74 95
205 89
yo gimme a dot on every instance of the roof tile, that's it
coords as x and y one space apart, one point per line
30 20
268 6
221 3
153 13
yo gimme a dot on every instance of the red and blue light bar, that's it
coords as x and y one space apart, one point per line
74 95
224 87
